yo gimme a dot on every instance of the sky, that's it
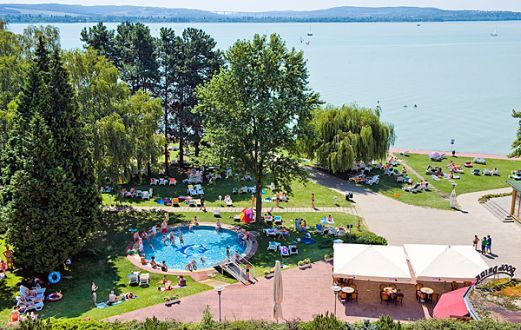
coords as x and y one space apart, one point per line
264 5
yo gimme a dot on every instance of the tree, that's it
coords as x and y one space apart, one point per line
254 110
167 47
345 135
516 145
196 61
102 39
50 35
49 199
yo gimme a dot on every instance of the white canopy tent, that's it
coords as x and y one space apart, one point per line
371 262
444 262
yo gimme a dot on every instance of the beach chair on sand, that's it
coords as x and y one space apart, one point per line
133 278
144 279
273 246
284 251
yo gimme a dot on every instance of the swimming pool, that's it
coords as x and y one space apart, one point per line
200 242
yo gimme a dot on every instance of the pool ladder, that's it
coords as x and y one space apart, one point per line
239 273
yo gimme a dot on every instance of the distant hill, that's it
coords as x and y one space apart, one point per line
75 13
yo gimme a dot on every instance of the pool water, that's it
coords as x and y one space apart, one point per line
200 242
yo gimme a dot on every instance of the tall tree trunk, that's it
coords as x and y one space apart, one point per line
181 152
165 120
258 199
149 169
197 142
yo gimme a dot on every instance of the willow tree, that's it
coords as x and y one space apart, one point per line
346 135
254 108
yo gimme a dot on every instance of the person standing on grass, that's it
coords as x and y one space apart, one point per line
489 244
313 200
484 245
475 242
93 289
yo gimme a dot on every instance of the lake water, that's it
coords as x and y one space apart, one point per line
464 82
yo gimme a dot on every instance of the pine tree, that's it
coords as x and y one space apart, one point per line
50 203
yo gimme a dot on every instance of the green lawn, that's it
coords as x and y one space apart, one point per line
105 263
301 197
468 182
390 188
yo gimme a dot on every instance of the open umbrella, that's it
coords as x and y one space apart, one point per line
247 215
451 304
278 294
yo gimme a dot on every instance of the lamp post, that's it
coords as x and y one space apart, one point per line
219 290
335 289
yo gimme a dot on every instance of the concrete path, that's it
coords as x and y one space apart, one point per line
402 223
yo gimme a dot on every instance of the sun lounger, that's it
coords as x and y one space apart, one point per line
172 182
273 246
144 279
487 172
268 219
145 195
198 202
293 250
284 251
320 229
153 182
277 220
216 214
332 231
476 171
341 232
199 189
133 278
175 202
191 202
191 190
270 232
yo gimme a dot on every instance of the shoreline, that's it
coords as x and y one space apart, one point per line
458 154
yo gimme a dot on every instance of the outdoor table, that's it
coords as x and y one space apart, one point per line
426 290
348 289
389 289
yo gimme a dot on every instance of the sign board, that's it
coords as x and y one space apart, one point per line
508 270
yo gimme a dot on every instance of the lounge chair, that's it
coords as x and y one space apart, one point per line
145 195
191 190
153 182
199 189
293 249
270 232
374 180
487 172
167 201
171 182
268 219
320 229
133 278
163 182
191 202
284 251
198 202
476 172
341 232
332 231
175 202
229 203
277 220
273 246
144 279
216 214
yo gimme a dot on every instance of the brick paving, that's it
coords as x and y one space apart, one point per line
306 293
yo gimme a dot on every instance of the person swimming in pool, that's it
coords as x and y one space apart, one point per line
202 260
194 264
228 252
181 239
172 238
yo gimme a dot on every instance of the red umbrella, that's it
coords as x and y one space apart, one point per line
451 304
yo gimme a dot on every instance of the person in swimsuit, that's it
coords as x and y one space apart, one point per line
164 227
93 289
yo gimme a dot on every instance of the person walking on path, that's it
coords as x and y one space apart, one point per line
475 242
93 289
489 244
313 200
484 245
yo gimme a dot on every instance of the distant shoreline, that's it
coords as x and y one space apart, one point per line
449 153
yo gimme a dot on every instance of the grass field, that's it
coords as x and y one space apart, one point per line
104 262
301 197
468 182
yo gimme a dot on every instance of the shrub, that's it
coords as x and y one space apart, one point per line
367 238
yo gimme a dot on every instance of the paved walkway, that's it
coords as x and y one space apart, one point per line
402 223
348 210
306 293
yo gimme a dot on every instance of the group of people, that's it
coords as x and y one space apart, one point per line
166 284
486 244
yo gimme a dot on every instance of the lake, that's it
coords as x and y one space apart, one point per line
435 82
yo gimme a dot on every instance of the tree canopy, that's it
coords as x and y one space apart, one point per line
49 198
348 134
254 109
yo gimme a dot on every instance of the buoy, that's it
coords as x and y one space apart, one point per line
54 277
